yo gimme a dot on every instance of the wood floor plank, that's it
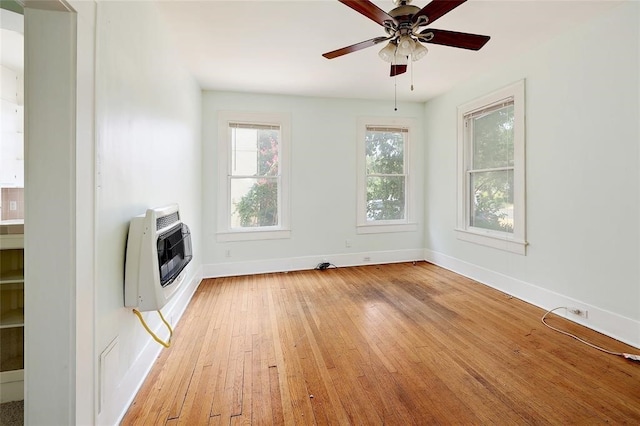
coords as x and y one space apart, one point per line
276 399
292 335
280 393
396 344
324 399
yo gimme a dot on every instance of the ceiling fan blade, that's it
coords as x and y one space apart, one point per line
368 9
453 39
354 47
436 9
397 69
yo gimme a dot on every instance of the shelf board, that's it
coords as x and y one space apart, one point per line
6 286
11 241
12 276
12 318
12 376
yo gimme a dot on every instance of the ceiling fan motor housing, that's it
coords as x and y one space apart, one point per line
404 12
403 16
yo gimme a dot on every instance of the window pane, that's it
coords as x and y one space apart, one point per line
254 152
254 202
385 198
384 152
493 139
492 200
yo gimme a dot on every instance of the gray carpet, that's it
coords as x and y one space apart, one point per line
12 413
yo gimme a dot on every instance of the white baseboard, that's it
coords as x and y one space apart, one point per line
12 384
228 269
613 325
133 379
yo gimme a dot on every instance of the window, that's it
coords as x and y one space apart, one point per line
384 182
491 201
253 178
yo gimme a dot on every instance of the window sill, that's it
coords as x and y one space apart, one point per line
253 235
380 228
510 244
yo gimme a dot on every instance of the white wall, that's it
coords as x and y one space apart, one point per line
582 175
323 186
148 155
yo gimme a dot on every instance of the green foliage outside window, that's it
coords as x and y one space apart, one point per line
492 178
385 175
259 206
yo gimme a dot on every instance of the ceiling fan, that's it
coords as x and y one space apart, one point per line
403 25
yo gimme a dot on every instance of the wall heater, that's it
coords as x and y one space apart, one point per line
158 249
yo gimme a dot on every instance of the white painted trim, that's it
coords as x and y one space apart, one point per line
517 92
86 217
491 239
611 324
253 235
50 145
215 270
410 167
126 391
379 228
283 119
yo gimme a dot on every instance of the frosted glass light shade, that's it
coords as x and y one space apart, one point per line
419 52
388 52
405 45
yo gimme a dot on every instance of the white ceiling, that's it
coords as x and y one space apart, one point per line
271 46
276 46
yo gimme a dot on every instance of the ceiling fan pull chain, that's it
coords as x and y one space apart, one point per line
412 75
395 92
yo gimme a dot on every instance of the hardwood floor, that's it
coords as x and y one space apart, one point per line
392 344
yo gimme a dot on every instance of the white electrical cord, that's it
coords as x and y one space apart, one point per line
633 357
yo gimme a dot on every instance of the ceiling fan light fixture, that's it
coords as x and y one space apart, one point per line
388 52
419 52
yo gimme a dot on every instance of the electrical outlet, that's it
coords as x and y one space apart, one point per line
347 243
227 253
579 312
366 259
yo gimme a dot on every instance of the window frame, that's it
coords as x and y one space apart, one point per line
513 242
363 225
224 230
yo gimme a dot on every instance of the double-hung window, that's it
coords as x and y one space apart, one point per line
491 187
385 203
253 176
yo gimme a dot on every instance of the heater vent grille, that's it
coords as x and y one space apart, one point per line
164 221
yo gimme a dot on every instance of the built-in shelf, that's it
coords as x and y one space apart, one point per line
11 308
